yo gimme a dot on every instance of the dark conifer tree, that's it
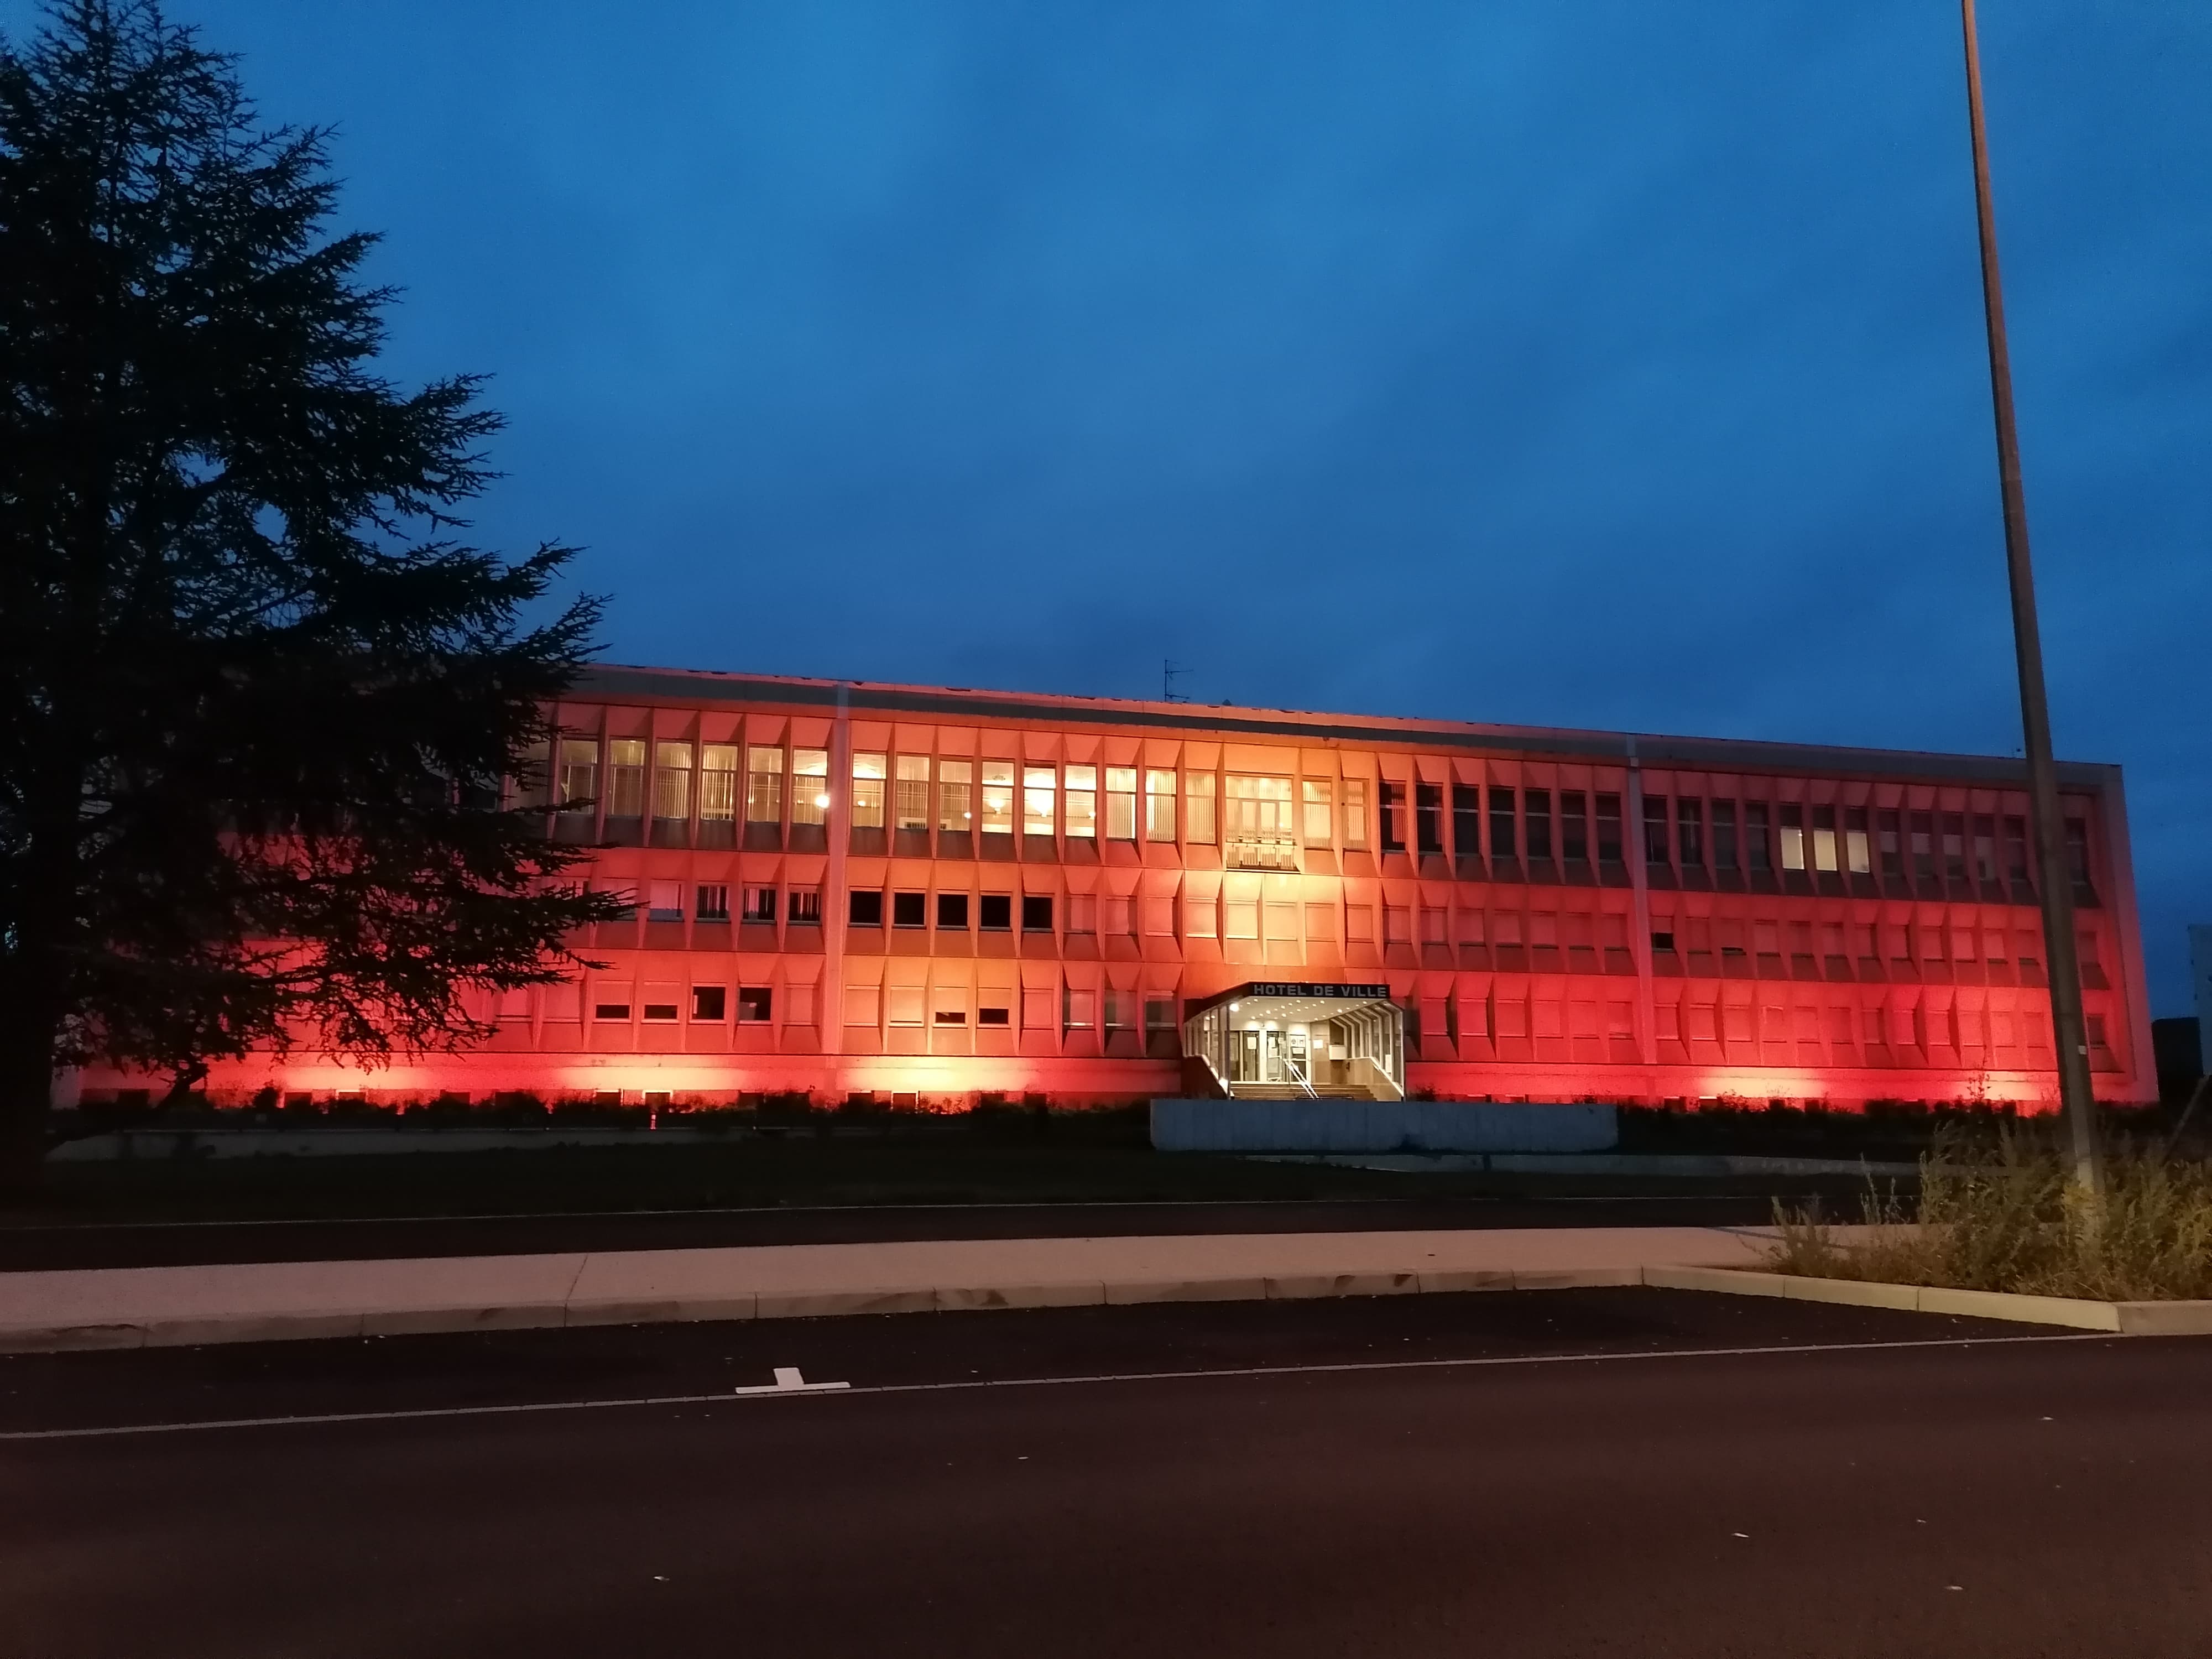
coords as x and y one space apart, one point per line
258 697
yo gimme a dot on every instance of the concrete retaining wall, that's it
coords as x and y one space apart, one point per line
1379 1125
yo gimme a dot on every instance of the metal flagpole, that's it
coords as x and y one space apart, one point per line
2055 880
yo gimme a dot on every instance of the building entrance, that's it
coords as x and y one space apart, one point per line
1286 1039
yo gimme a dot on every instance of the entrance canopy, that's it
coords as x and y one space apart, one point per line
1275 1037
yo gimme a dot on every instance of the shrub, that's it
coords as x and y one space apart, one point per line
2001 1212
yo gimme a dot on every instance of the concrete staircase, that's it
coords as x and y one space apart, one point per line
1292 1091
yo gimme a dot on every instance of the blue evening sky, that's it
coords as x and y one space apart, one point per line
1606 364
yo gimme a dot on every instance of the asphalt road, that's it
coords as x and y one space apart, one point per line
1595 1472
159 1244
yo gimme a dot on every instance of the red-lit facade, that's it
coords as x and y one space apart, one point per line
932 895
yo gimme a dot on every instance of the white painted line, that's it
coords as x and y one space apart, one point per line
1353 1367
788 1380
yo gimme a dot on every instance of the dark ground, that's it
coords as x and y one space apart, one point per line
175 1244
1978 1491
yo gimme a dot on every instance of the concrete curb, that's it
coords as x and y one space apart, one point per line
2122 1318
823 1304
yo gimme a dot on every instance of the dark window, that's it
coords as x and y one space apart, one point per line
1429 816
759 904
1608 829
2015 849
1759 850
709 1002
1690 832
805 905
1159 1013
1502 839
1662 941
611 1011
1985 851
1724 858
993 1016
1924 845
1537 811
756 1003
1654 830
865 910
952 913
665 1012
1955 849
1889 840
998 912
2077 851
1394 818
1036 912
1574 826
950 1016
714 902
909 910
1467 821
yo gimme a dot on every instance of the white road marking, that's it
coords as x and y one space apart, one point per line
1348 1368
788 1380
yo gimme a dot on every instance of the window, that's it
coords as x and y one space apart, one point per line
804 907
909 910
665 902
995 1013
580 774
1082 808
1924 845
1037 783
1038 1012
1793 837
998 798
1392 815
1824 838
1397 925
764 786
1159 1013
1756 846
1429 817
623 895
1081 914
1608 829
1724 843
1432 926
810 785
1467 821
1690 832
1890 843
626 778
1857 856
1359 924
1159 806
1036 912
865 908
1537 821
759 904
671 781
997 913
864 1005
1240 918
534 777
949 1005
710 1003
718 781
905 1005
1574 826
2015 851
953 912
660 1014
955 802
1662 940
756 1005
606 1009
1198 808
910 793
1321 923
1118 915
868 791
1654 830
1121 803
2077 851
1502 838
1318 814
1954 848
714 902
1080 1009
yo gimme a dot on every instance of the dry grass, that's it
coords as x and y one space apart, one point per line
2000 1213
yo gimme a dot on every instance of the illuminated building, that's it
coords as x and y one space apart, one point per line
930 895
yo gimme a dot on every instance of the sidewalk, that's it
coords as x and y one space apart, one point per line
255 1302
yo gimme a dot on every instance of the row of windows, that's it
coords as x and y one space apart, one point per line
1073 1008
1208 918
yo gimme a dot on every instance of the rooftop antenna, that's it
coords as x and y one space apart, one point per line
1171 672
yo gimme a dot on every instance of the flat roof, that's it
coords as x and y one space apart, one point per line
626 683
